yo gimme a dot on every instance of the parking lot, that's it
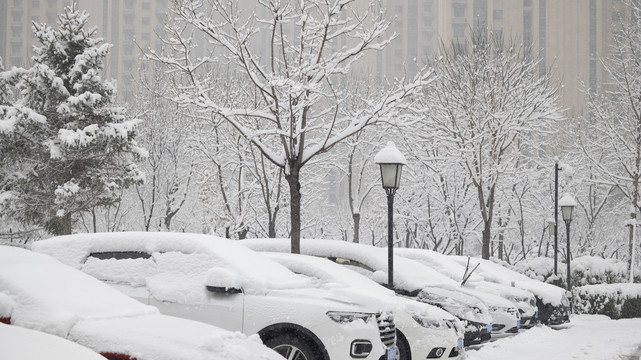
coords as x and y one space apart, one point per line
586 337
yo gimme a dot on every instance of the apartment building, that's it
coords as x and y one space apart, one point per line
119 22
569 37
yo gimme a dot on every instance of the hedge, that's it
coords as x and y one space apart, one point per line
614 300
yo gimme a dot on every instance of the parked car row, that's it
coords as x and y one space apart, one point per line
223 283
330 302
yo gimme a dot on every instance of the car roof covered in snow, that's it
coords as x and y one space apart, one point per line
500 274
335 275
40 293
408 274
446 264
251 269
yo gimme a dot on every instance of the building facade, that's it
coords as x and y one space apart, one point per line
127 24
568 37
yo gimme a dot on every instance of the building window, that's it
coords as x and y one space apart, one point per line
17 3
145 36
527 3
129 19
17 15
35 4
129 4
16 31
146 21
146 5
497 15
459 30
15 47
52 4
459 9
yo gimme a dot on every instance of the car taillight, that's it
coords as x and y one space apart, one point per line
117 356
5 320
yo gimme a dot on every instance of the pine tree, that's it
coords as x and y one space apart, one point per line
67 147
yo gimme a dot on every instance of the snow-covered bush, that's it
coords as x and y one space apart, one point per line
590 270
614 300
586 270
539 268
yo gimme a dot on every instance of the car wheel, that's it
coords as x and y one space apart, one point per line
293 347
404 352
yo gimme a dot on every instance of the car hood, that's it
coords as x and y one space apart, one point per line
140 336
338 299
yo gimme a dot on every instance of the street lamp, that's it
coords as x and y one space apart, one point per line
632 223
391 162
567 204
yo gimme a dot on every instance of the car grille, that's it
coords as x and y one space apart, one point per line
386 328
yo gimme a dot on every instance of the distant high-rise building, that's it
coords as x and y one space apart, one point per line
119 22
568 37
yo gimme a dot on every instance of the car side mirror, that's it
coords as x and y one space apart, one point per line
223 290
223 281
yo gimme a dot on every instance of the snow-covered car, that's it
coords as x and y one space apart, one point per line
551 301
25 344
40 293
423 331
523 300
411 279
222 282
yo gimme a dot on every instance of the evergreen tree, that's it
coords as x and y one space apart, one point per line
67 148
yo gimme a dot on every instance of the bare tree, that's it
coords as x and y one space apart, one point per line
310 46
615 116
488 96
169 166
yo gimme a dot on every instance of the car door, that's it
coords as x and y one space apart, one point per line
179 289
126 271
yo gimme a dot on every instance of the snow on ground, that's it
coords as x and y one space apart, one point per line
586 337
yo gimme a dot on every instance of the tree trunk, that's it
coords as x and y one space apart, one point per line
272 223
357 225
486 241
66 224
293 179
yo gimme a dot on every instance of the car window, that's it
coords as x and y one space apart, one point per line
126 267
119 255
350 262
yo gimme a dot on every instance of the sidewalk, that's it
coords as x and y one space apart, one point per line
586 337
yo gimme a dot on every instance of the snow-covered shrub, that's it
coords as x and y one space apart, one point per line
590 270
614 300
539 268
586 270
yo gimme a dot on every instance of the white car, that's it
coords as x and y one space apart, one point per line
423 331
410 279
221 282
522 300
551 301
39 293
26 344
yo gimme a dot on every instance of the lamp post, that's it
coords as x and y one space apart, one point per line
556 213
567 204
391 162
632 223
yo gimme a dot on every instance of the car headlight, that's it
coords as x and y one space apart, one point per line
344 317
427 322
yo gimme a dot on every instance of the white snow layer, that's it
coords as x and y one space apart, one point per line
587 337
